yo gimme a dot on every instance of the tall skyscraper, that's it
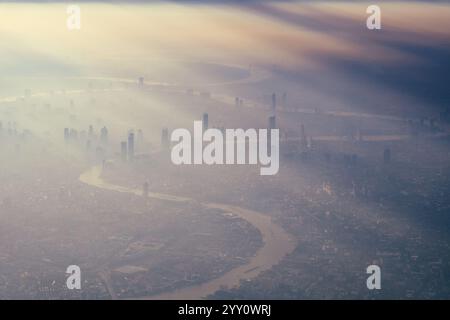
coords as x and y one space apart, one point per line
91 132
130 146
272 122
303 138
104 135
205 121
359 134
272 125
141 81
274 101
165 138
66 134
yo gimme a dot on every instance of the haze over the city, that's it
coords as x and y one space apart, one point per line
87 178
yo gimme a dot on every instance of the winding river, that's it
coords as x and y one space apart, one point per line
277 243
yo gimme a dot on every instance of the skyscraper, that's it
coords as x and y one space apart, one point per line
165 138
205 121
104 135
303 139
359 134
272 122
91 132
130 146
66 134
272 125
274 101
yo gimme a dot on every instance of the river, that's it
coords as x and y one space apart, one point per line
277 243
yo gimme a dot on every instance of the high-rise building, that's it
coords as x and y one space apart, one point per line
141 81
272 122
274 101
165 138
123 151
131 146
359 134
303 138
66 134
205 121
104 135
91 132
272 125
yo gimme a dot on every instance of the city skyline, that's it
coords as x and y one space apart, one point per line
193 150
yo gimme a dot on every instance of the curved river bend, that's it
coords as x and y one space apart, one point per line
277 243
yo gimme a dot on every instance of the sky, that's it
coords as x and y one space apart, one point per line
409 56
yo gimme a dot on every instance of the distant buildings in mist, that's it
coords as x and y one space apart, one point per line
301 144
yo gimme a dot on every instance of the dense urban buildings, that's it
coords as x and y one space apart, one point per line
87 177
